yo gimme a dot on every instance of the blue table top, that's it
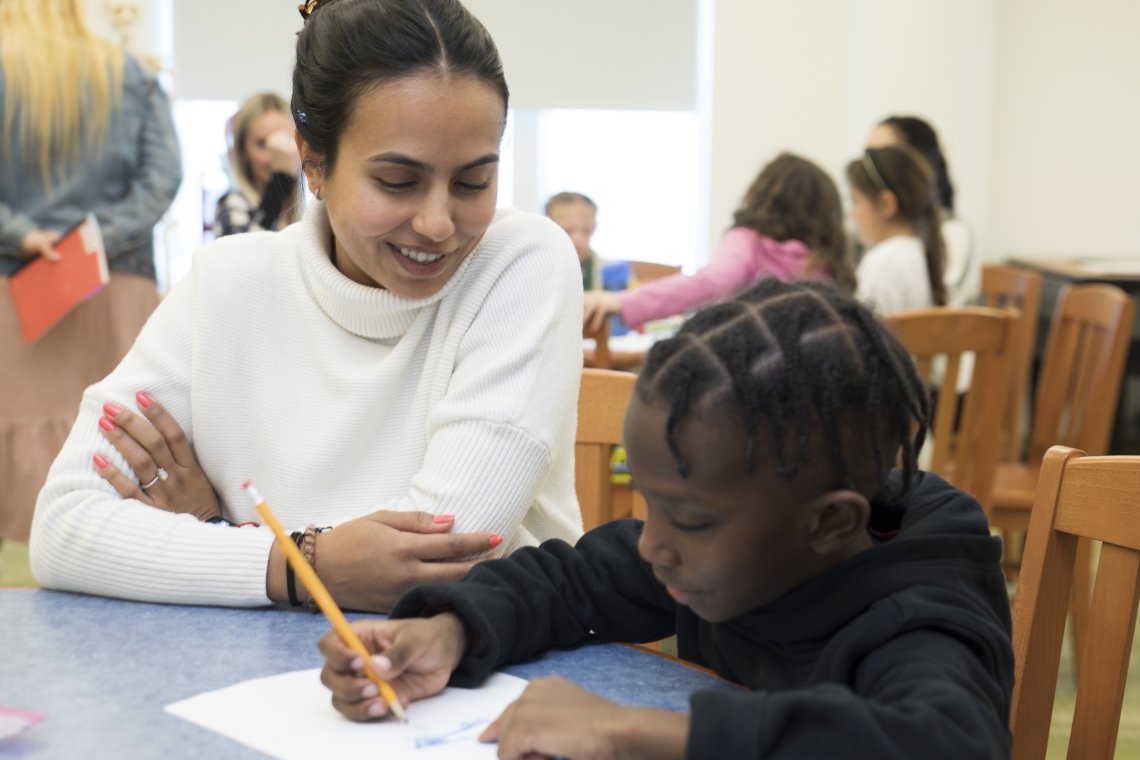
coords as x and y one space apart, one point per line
101 670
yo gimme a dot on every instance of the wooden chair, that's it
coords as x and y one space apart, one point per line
967 457
602 400
602 357
1077 391
1003 287
1078 499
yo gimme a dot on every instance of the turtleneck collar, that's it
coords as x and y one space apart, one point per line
373 313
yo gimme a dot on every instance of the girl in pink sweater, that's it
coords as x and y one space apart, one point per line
789 226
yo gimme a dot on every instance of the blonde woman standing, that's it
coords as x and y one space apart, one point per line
83 129
265 167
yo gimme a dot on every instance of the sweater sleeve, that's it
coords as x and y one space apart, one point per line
507 418
732 268
155 180
553 595
14 226
86 538
925 694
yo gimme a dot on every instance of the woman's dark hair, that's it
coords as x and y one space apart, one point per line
798 355
919 135
903 171
793 199
348 46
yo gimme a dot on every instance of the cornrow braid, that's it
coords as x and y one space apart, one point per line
801 353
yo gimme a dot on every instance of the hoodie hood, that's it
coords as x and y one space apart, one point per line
940 571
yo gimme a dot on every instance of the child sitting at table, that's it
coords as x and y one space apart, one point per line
578 216
895 207
863 606
789 226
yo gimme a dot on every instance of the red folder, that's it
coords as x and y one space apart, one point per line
44 291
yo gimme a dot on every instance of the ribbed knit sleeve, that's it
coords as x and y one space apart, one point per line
87 538
510 407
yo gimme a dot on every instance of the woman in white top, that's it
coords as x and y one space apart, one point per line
402 365
897 214
963 273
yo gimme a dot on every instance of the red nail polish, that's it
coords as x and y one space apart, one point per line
496 540
441 519
106 424
100 462
111 410
144 400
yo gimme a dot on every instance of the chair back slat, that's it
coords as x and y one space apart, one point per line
1082 369
602 357
967 458
602 401
1004 287
1087 497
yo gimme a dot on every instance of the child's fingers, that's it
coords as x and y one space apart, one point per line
126 487
172 432
491 732
361 712
348 687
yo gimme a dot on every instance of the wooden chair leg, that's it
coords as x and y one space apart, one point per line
1080 601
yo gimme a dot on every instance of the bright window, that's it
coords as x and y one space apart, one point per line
640 167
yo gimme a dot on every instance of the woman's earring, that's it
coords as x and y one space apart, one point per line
319 194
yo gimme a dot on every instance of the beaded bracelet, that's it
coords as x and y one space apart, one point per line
290 577
308 546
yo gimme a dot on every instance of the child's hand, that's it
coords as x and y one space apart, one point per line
555 718
416 656
599 304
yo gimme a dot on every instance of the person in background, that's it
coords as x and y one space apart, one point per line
263 156
789 226
898 216
578 215
84 128
963 273
354 364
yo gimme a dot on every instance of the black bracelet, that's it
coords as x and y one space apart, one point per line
290 579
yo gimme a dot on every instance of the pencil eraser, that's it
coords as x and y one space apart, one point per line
247 484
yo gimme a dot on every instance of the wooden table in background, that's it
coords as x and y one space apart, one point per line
1123 273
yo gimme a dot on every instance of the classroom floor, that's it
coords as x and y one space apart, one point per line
14 571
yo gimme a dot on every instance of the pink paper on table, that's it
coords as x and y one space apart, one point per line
13 721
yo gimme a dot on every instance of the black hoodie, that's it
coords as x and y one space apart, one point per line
902 651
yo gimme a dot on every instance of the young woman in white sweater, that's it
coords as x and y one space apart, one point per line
403 364
896 211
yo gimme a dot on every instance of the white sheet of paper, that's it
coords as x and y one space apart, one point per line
290 717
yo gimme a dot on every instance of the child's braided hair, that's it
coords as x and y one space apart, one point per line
800 353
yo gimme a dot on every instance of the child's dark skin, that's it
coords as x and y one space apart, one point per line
723 540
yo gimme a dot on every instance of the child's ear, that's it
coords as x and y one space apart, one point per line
888 204
838 518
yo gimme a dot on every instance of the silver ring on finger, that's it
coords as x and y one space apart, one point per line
160 475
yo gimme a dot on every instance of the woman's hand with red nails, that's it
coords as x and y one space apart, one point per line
416 656
368 563
149 441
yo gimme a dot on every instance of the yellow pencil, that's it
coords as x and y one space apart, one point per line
324 600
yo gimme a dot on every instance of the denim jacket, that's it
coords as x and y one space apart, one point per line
128 182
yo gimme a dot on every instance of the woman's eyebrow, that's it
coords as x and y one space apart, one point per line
402 160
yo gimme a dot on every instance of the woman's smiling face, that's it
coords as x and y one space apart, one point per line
415 181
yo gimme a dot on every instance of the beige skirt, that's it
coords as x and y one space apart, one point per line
41 385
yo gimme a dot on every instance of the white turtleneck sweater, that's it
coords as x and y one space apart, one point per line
338 400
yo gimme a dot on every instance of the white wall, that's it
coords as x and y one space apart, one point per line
1065 167
815 77
1036 102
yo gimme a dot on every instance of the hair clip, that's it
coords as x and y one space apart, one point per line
301 116
307 9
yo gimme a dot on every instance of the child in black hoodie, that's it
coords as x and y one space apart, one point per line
865 608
